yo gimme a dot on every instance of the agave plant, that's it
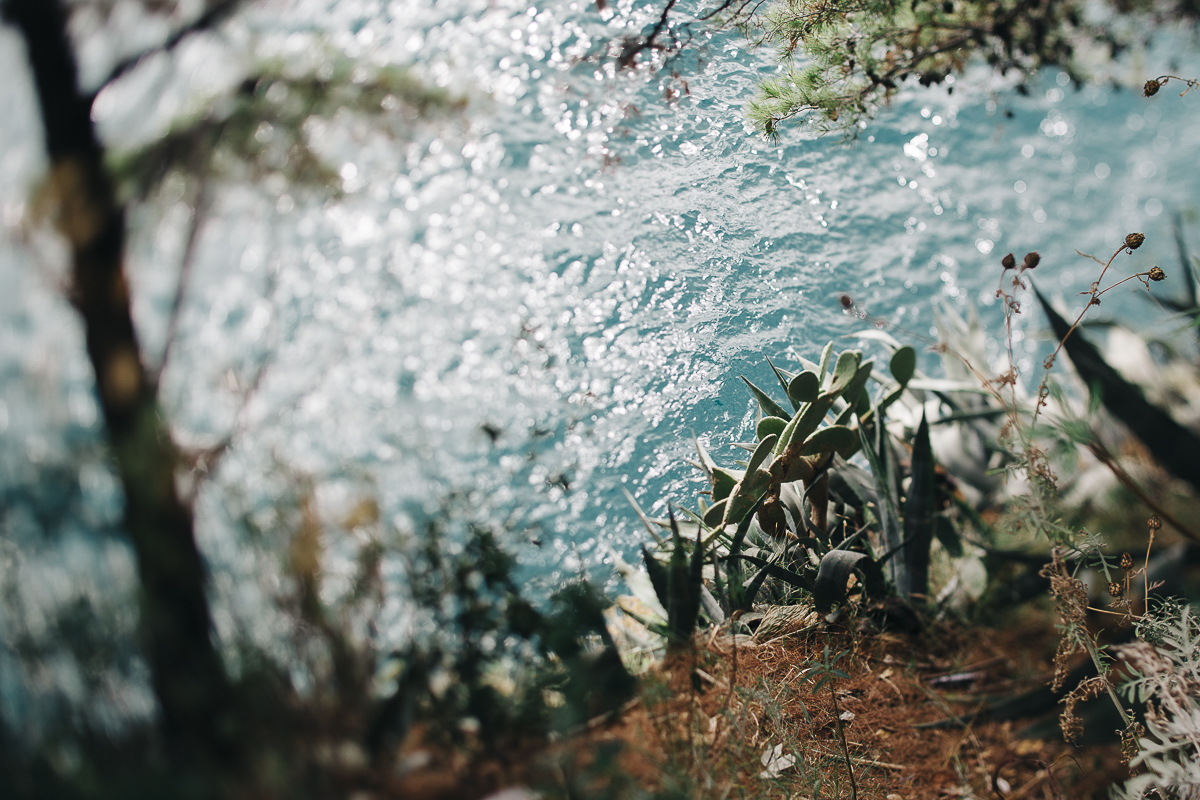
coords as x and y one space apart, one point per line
799 513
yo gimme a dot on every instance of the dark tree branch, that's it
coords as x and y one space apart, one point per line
215 15
186 671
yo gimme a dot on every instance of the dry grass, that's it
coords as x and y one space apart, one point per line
706 718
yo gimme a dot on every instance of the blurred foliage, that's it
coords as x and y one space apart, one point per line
264 126
842 59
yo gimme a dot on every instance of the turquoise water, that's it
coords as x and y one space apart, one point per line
582 263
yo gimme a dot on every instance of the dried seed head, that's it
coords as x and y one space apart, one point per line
1151 88
1134 240
1114 589
1031 260
1154 523
1156 274
1126 561
1008 262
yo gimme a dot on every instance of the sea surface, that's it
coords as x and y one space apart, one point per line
516 310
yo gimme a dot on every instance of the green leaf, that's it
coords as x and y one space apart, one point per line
804 388
844 371
760 454
642 516
854 388
770 425
825 355
659 578
827 440
836 568
715 513
724 480
903 365
919 509
1172 445
706 462
773 569
946 533
784 377
768 406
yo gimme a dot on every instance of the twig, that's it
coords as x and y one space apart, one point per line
1106 458
214 16
199 210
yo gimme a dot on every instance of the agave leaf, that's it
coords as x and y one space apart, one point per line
706 461
659 577
650 526
770 425
804 388
836 568
947 534
903 365
768 406
1172 445
879 460
969 416
773 569
683 595
947 385
784 377
919 508
825 356
1184 265
874 334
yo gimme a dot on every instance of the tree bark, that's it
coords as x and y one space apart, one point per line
187 672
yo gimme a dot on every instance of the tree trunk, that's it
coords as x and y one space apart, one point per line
188 674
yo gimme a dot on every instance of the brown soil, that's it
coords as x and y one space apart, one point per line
706 718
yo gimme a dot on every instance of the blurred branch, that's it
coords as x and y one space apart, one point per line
187 673
215 15
199 210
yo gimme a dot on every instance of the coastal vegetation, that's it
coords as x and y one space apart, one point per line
857 604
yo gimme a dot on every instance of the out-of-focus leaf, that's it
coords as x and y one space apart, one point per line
650 526
946 533
919 508
659 578
779 573
887 489
876 335
903 365
766 403
1172 445
844 371
836 568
